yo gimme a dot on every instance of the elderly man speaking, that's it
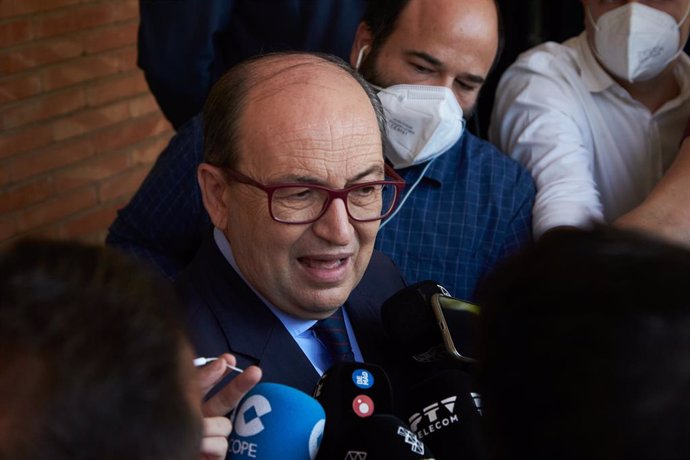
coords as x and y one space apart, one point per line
295 183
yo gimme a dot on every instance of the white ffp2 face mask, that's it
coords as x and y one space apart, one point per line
636 42
422 122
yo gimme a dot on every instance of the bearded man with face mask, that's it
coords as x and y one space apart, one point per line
599 119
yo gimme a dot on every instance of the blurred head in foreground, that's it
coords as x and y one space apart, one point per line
586 349
94 361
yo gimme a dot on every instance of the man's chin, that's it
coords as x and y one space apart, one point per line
322 303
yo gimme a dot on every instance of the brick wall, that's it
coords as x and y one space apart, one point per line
79 129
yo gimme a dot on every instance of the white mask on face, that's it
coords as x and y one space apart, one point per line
422 121
636 42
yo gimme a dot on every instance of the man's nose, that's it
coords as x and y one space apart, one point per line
334 225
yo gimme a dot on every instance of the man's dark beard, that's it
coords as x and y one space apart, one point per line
368 69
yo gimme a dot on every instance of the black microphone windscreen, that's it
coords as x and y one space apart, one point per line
380 437
349 393
445 412
425 322
409 319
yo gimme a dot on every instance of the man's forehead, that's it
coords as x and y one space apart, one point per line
295 75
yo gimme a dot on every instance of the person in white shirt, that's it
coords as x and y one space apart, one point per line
598 119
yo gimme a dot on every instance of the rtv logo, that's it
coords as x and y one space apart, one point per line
416 445
248 421
434 417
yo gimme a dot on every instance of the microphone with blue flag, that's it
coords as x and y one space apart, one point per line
276 422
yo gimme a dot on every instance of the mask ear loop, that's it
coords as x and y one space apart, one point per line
360 56
407 195
591 18
680 45
687 13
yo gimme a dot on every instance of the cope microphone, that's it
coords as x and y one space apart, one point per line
380 437
349 393
430 325
276 422
445 412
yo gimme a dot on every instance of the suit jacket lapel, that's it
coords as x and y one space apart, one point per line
250 329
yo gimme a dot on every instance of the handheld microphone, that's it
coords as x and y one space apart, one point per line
430 325
276 422
445 413
380 437
349 393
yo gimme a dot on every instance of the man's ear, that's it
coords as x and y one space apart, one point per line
213 187
363 37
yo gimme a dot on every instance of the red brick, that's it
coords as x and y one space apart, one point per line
111 37
7 9
78 70
75 19
90 120
17 88
23 195
38 54
42 108
12 33
25 139
148 152
122 185
8 229
4 174
92 170
119 86
143 105
128 58
127 9
56 209
34 6
131 132
93 221
97 238
53 157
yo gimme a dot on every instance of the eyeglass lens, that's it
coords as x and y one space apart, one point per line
303 204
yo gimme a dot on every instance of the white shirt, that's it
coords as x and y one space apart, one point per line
595 152
298 328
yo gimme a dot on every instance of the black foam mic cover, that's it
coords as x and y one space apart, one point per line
349 393
445 412
379 437
410 321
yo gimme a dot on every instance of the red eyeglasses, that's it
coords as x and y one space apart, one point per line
295 203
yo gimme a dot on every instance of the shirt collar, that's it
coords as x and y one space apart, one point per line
597 79
593 74
295 326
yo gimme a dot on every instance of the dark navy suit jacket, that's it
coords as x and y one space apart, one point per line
184 46
224 315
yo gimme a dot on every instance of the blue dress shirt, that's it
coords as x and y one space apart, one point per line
472 207
298 328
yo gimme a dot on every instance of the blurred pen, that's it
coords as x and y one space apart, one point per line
198 362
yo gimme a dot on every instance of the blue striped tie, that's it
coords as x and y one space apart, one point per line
332 333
